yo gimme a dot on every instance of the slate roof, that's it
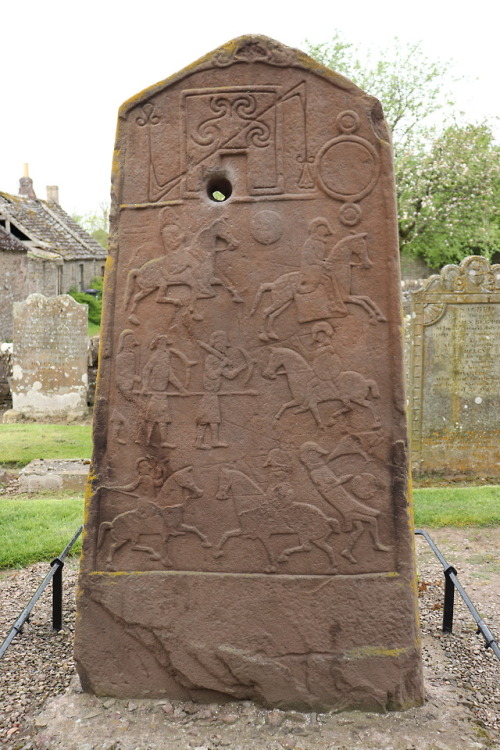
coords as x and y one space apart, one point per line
47 226
10 243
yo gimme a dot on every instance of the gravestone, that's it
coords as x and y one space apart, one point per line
455 370
49 361
248 532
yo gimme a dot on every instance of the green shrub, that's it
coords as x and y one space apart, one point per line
94 304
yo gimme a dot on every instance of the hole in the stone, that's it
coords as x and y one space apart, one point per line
219 189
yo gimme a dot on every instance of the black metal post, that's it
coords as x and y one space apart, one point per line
57 589
451 582
55 568
449 600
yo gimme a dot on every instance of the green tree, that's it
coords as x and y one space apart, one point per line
411 87
447 174
96 224
449 195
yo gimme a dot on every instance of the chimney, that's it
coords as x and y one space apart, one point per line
53 193
26 184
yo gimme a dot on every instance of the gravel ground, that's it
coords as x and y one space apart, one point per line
42 708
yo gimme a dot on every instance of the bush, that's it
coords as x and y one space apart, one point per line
93 303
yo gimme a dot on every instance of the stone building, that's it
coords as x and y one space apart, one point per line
42 250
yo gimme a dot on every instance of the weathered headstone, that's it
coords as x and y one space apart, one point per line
455 370
248 533
49 372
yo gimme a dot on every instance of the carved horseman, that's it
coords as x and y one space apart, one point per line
326 363
317 293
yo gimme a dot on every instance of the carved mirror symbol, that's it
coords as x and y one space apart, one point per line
347 166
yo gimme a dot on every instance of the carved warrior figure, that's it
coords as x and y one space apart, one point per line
150 477
349 387
163 517
332 272
156 377
260 517
355 514
326 363
218 366
308 522
193 267
316 271
126 364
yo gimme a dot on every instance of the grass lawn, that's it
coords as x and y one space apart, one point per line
38 527
457 506
21 443
93 329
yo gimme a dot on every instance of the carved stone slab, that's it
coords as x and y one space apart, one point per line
248 532
455 370
49 365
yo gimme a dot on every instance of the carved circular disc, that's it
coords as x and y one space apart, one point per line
350 214
347 168
348 121
266 227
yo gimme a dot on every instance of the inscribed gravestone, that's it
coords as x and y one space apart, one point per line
455 370
248 532
49 373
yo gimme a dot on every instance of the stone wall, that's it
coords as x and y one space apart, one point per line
79 273
35 273
414 268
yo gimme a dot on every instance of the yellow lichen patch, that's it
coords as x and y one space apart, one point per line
367 651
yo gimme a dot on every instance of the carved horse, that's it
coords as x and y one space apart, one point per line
349 387
160 518
259 522
193 267
351 252
273 517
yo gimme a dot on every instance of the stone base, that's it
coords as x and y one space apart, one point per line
12 416
276 640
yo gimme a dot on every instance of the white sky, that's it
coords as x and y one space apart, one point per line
67 67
